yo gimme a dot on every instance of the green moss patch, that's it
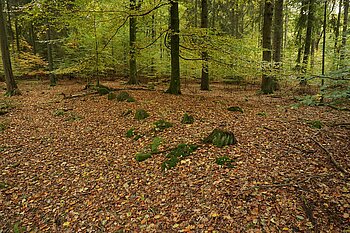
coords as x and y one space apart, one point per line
220 138
225 161
141 114
162 125
175 155
125 96
187 119
235 109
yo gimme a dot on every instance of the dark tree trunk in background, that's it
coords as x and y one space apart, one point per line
205 68
50 57
132 34
267 85
308 40
5 54
345 32
175 48
196 13
33 37
278 31
213 10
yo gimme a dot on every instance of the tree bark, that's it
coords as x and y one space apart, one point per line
308 40
132 52
267 85
337 27
205 67
345 31
278 31
49 57
175 48
11 85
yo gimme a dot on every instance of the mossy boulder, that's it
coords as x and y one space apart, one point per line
187 119
125 96
111 96
141 114
220 138
102 91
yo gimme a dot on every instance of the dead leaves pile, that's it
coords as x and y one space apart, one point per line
67 166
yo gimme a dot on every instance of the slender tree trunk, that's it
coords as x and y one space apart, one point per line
11 85
286 22
196 13
132 52
213 20
33 37
267 85
205 67
9 21
345 32
337 27
308 40
50 57
175 48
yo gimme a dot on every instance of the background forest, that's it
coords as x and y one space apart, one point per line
100 39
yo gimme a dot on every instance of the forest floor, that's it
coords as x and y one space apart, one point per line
66 164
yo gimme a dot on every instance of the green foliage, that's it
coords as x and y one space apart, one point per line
142 156
59 112
155 144
220 138
316 124
162 124
103 91
3 126
225 161
111 96
175 156
310 100
263 114
141 114
3 185
235 109
73 117
125 96
130 133
187 119
18 229
5 106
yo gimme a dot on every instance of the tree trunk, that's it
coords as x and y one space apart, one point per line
205 68
308 40
278 31
33 37
337 27
11 85
267 85
345 31
175 48
132 52
49 57
195 13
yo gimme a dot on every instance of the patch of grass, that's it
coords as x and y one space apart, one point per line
142 156
224 161
111 96
125 96
3 185
187 119
5 106
3 126
59 112
175 156
155 144
103 90
130 133
17 228
137 137
73 117
263 114
141 114
316 124
162 124
235 109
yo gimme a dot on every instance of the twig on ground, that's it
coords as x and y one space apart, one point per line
331 158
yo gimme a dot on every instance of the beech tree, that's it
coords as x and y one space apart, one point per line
11 85
267 84
132 34
174 87
205 68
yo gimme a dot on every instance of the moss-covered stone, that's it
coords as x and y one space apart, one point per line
141 114
125 96
142 156
187 119
235 109
103 91
175 156
220 138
